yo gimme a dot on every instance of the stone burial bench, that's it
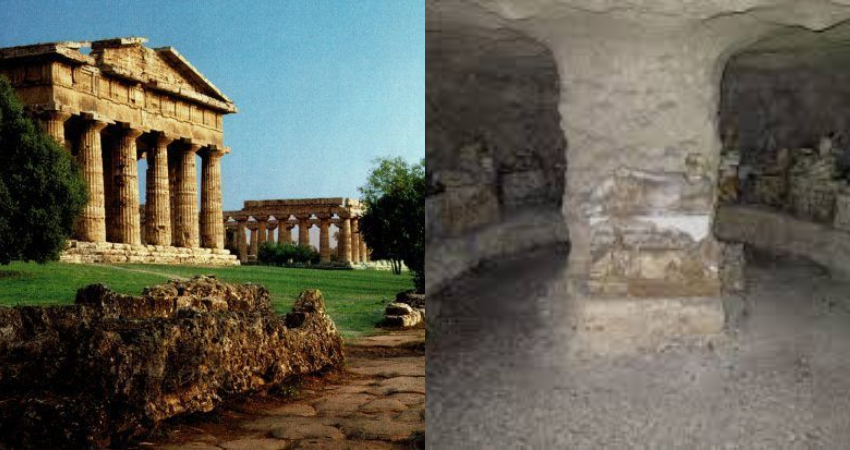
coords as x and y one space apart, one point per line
112 367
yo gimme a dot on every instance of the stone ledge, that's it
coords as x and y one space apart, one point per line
78 252
449 258
772 230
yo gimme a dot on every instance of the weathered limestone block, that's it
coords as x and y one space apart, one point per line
400 315
112 366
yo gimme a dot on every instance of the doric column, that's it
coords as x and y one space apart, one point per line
283 233
241 245
262 228
355 241
91 226
126 184
158 205
212 229
364 252
255 245
187 199
54 124
304 231
325 239
344 244
270 233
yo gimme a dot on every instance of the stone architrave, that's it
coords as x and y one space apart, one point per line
212 228
187 199
126 184
304 231
91 226
324 239
158 204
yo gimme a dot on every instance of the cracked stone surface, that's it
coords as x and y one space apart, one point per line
361 409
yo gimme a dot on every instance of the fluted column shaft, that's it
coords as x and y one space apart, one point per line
125 173
270 234
304 231
212 229
158 204
284 235
325 240
355 241
364 252
187 199
254 242
262 232
54 124
241 245
91 226
344 244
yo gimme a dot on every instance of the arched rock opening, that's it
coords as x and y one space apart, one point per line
785 170
495 151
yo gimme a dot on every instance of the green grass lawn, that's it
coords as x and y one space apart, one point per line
355 299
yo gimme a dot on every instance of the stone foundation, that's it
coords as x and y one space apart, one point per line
110 253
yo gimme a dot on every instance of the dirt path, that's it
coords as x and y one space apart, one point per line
377 403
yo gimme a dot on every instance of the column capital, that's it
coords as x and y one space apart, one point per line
213 151
129 132
95 124
162 139
55 114
323 216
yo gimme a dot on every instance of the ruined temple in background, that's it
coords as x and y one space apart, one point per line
262 217
120 103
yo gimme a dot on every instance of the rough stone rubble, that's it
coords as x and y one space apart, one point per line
112 366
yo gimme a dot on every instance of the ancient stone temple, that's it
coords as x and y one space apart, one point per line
256 223
112 107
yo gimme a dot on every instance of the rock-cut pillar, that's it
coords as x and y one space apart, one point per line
325 239
639 110
212 228
344 244
91 225
187 199
125 175
158 204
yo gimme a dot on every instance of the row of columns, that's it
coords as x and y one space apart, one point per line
350 246
171 210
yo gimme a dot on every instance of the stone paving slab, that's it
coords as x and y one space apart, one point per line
377 405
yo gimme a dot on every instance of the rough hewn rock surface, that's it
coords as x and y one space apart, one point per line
113 366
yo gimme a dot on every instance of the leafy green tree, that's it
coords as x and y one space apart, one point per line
41 188
393 224
272 254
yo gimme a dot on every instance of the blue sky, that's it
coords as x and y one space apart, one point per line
323 87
